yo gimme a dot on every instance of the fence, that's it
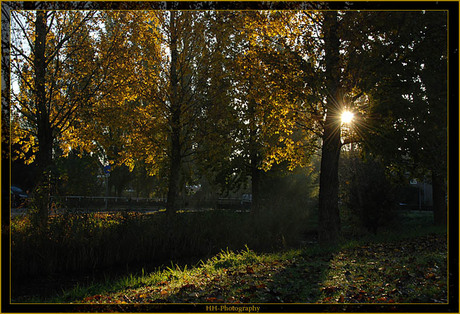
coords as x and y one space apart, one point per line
98 203
89 203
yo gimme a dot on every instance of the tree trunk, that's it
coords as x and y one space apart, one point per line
329 218
439 199
45 134
174 172
434 78
254 158
175 148
43 188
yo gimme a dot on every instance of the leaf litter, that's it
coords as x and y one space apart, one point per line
408 271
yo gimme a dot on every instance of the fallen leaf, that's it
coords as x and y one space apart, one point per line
430 276
189 285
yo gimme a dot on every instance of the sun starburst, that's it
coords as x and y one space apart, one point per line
347 116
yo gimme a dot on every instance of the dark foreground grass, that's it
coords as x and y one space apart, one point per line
408 270
86 242
407 263
81 248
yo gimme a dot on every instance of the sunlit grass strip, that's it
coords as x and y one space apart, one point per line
410 270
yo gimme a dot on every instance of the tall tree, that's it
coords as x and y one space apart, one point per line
334 73
273 97
58 74
220 156
329 218
300 96
409 96
43 107
169 53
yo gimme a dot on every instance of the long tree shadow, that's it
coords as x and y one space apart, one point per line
300 281
381 275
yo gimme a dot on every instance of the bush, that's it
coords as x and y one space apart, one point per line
368 195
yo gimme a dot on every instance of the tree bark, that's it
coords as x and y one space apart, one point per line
44 131
254 158
174 172
329 218
175 123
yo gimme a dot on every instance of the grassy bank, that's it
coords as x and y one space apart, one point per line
409 270
77 245
143 258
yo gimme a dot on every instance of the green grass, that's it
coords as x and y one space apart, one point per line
412 269
284 273
398 272
78 245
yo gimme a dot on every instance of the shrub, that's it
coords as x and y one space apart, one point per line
369 196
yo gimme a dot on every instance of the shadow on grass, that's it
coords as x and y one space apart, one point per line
298 280
353 277
301 280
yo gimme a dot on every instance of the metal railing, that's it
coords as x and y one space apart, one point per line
92 203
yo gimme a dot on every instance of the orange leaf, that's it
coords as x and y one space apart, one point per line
430 276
